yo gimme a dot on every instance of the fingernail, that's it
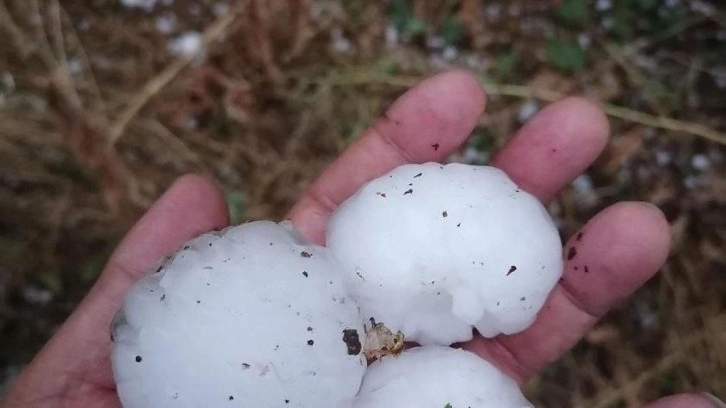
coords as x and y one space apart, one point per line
717 403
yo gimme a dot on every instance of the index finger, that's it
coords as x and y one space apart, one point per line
427 123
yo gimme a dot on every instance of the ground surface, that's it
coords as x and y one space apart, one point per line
100 109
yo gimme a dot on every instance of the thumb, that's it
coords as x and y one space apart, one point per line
688 401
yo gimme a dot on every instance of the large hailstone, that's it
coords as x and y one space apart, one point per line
253 316
435 250
438 377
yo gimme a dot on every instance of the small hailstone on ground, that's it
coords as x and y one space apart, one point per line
145 4
339 42
36 296
253 316
166 24
584 40
220 8
449 53
436 250
527 110
700 162
438 377
188 43
603 5
391 36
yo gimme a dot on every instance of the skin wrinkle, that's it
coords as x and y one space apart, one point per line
322 200
119 270
518 369
576 302
379 130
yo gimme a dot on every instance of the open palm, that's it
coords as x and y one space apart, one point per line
622 247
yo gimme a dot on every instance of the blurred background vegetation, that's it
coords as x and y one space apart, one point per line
104 102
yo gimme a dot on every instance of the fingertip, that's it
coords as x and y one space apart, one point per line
590 115
583 123
198 192
457 82
642 226
193 181
659 226
687 401
615 253
466 82
555 146
449 103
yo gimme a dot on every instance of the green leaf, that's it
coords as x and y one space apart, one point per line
646 4
567 56
389 66
236 205
483 140
506 64
352 130
90 269
622 20
574 12
402 18
451 30
52 281
668 382
10 246
414 27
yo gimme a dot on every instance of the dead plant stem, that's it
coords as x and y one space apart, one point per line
523 91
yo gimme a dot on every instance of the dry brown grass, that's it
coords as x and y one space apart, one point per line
97 118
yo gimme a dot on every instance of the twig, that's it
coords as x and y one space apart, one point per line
83 55
46 51
718 18
522 91
669 32
57 37
660 122
621 58
16 36
663 122
217 30
157 128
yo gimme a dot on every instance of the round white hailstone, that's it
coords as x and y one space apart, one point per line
253 316
435 250
437 377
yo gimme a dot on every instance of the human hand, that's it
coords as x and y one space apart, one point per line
623 246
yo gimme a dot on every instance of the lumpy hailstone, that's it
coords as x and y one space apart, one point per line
435 250
251 317
438 377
